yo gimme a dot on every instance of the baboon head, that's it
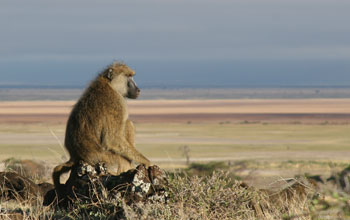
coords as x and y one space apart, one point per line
121 80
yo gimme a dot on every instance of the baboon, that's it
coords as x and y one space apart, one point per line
98 129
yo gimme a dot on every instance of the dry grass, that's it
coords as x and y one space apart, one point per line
215 196
204 195
211 197
163 143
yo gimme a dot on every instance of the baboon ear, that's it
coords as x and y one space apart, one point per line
110 74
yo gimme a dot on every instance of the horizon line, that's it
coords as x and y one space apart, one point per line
42 86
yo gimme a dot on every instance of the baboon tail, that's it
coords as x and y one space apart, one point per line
57 172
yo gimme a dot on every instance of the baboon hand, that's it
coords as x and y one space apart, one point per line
147 163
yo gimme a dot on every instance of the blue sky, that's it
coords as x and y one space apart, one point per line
177 43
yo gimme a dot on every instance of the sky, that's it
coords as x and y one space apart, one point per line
175 43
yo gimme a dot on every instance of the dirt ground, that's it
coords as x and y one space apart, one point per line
165 111
272 130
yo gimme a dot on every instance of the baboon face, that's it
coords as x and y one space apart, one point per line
121 80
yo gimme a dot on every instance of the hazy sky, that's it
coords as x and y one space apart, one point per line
179 42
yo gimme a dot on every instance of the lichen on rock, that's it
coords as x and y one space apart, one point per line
89 183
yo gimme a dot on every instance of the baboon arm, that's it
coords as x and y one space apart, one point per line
130 132
127 150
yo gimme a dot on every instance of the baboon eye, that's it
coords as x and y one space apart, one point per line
110 76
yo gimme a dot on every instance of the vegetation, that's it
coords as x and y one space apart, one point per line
285 141
251 178
205 191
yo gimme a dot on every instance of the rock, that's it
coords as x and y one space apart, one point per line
11 214
91 183
45 188
341 179
17 187
14 186
27 168
50 198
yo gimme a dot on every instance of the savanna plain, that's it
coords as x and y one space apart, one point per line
263 140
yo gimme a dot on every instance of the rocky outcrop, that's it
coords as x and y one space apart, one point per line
33 170
89 184
14 186
341 179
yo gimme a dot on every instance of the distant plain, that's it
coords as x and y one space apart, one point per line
268 132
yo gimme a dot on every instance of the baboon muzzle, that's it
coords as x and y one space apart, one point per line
133 90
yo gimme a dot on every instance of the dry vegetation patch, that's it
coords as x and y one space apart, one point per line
216 195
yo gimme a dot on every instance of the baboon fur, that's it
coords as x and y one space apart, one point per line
98 129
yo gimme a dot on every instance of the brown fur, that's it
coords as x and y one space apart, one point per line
98 129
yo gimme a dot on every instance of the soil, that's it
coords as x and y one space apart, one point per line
164 111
